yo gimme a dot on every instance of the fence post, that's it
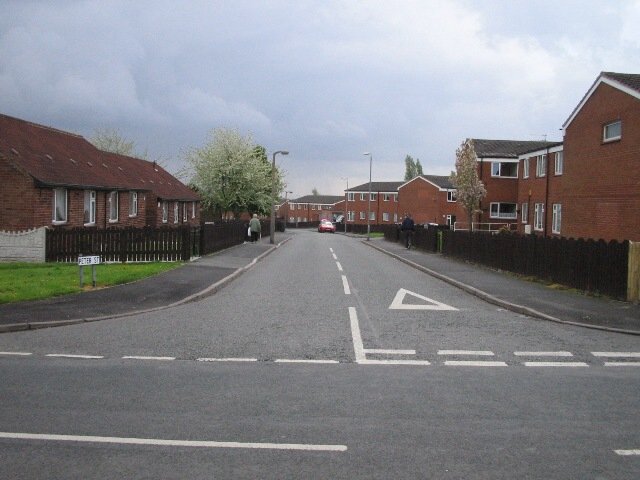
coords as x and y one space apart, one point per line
633 278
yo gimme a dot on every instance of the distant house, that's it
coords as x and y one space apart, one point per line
58 179
384 203
430 199
311 208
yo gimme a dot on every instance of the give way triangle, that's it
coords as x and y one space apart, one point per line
398 304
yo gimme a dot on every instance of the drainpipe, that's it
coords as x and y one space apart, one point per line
546 195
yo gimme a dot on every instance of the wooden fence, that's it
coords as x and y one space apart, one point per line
592 266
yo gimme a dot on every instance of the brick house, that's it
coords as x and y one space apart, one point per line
384 203
498 162
58 179
311 208
600 192
430 199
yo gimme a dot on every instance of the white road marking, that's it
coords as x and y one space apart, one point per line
67 355
227 359
485 353
172 443
628 452
358 347
389 352
331 249
397 304
473 363
339 266
555 364
142 357
616 354
345 284
622 364
21 354
393 362
335 257
302 360
544 354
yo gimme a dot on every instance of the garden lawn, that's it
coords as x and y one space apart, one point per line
35 281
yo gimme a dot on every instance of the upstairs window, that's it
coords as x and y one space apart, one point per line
525 168
451 195
374 197
362 196
612 131
541 165
559 163
386 197
351 196
60 205
504 169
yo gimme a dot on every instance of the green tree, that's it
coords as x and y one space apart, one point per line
469 188
314 191
232 174
111 140
410 169
419 167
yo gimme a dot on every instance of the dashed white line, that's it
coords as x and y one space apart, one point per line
543 354
227 359
142 357
473 363
628 452
466 352
389 352
19 354
345 284
358 347
335 257
339 266
331 249
393 362
622 364
303 360
616 354
67 355
172 443
555 364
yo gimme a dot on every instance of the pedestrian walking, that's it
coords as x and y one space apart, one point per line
255 227
408 227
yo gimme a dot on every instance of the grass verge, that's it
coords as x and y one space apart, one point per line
36 281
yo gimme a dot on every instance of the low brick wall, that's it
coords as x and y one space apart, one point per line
26 246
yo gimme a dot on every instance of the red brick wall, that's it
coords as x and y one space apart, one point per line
498 190
427 204
18 199
154 213
600 186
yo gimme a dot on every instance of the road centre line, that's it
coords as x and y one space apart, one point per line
331 249
616 354
345 284
227 359
622 364
339 266
172 443
303 360
142 357
20 354
358 347
466 352
474 363
393 362
543 354
335 257
555 364
68 355
389 352
628 452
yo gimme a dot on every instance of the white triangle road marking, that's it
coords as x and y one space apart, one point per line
398 304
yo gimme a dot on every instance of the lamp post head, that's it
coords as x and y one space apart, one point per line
367 153
281 152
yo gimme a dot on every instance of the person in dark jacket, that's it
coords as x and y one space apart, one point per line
408 227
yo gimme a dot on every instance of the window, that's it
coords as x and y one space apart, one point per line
89 207
165 212
503 210
133 204
313 206
395 197
524 212
451 195
374 197
60 205
362 196
612 131
525 168
541 165
351 196
193 209
351 216
113 207
372 216
538 220
395 218
558 164
386 197
184 212
362 216
504 169
176 212
385 217
451 220
556 220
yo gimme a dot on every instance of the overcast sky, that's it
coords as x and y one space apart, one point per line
326 80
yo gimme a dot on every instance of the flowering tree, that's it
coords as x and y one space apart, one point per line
469 188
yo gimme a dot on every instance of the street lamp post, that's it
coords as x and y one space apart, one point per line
369 212
272 230
346 205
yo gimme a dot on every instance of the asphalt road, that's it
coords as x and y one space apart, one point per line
326 360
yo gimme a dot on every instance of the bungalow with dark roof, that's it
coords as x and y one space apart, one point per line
58 179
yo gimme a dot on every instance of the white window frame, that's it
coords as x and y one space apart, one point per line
133 204
90 206
193 209
374 197
386 197
525 168
385 217
176 212
185 213
607 127
499 174
395 218
538 217
559 163
351 216
541 165
524 212
452 196
500 215
372 216
351 196
363 215
395 197
113 199
362 197
165 211
58 193
556 219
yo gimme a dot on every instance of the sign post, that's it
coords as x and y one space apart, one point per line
92 260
